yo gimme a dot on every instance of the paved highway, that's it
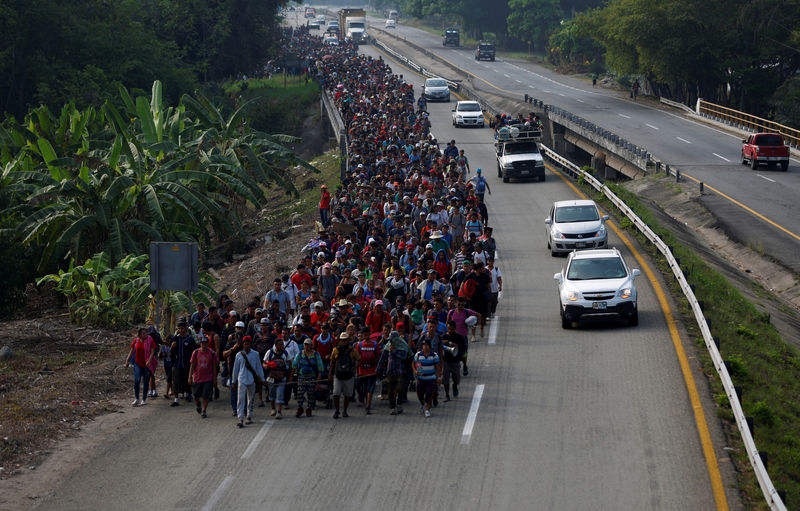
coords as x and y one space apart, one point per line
594 418
703 152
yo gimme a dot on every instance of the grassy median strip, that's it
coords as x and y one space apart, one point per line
759 361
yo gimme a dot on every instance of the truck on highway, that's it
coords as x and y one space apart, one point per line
518 153
485 51
310 12
767 148
353 25
450 37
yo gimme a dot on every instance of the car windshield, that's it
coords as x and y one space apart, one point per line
569 214
596 268
769 140
522 148
356 24
469 107
436 83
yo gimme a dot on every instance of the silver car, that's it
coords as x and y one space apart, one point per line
574 225
436 89
597 285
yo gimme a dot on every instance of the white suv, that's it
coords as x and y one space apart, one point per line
573 225
597 285
468 113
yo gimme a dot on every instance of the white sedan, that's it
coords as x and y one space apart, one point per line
390 24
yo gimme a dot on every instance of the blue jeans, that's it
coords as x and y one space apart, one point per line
323 216
141 373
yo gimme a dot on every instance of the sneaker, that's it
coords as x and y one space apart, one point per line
278 416
174 403
143 403
466 372
393 412
135 402
308 412
249 420
204 415
336 414
399 410
455 390
272 413
239 424
155 393
446 398
344 414
199 410
299 413
234 413
367 411
427 413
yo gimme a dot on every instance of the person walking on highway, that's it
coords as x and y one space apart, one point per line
324 206
277 364
428 371
344 361
454 345
392 366
247 370
183 345
635 90
307 366
202 373
480 184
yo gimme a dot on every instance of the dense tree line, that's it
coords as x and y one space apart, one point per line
741 53
56 51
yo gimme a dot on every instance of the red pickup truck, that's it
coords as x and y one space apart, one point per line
765 148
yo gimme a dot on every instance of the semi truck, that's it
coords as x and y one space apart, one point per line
353 24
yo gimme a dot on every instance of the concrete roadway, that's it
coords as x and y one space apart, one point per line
595 418
702 152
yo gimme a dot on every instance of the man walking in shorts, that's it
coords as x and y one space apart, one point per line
202 373
344 361
428 371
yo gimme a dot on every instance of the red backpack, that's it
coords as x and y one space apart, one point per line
468 289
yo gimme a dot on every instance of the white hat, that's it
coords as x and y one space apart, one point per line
239 324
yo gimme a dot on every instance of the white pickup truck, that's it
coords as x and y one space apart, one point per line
518 153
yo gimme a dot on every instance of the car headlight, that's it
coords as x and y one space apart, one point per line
601 232
573 296
508 165
556 234
626 292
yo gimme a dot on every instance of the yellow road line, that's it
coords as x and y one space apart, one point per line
746 208
688 378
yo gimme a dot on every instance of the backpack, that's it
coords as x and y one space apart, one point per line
369 357
468 289
480 185
345 369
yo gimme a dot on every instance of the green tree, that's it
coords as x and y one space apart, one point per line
533 20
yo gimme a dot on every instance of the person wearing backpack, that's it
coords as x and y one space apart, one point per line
344 361
368 352
277 364
307 366
247 370
481 185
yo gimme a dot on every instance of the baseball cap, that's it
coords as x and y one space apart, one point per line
308 341
264 320
378 302
232 313
400 326
239 324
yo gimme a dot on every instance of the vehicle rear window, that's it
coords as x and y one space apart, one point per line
596 268
770 140
522 148
569 214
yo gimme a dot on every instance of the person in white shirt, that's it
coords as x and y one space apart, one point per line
497 284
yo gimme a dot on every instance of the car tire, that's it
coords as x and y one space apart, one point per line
505 179
753 162
565 323
541 179
784 166
633 320
499 172
744 160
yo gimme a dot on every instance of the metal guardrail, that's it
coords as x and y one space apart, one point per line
675 104
746 121
333 114
770 493
413 65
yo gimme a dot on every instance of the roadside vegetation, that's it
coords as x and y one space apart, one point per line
759 361
735 53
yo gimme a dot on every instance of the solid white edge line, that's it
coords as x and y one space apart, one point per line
721 157
493 329
218 493
256 440
472 415
765 177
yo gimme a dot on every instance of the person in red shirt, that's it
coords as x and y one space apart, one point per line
300 276
377 317
369 352
202 373
324 343
324 205
142 354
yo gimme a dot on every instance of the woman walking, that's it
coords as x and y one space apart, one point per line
142 355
